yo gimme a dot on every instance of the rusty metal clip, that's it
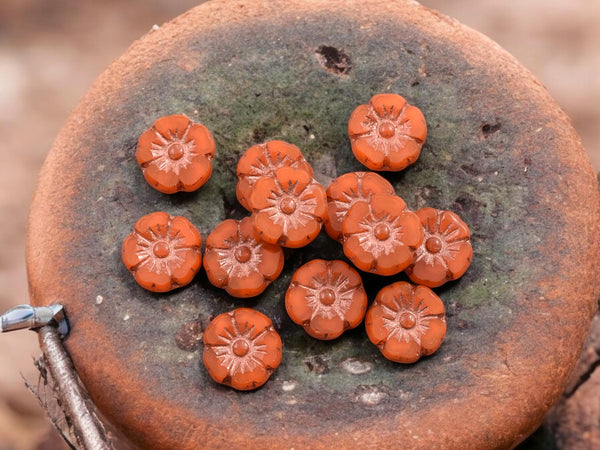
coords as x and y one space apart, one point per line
30 317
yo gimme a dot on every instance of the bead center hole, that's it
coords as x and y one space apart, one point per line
382 231
408 320
175 151
433 244
327 296
240 347
161 249
242 254
387 130
287 205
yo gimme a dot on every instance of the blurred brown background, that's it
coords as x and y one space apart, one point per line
51 50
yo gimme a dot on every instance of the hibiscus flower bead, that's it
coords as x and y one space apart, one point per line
388 133
326 298
345 191
163 252
241 349
381 235
262 160
406 322
289 207
238 262
446 251
176 154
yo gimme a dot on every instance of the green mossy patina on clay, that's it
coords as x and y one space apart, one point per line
278 90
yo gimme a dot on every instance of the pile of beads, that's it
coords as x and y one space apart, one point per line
288 207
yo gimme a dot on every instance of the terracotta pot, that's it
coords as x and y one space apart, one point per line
499 152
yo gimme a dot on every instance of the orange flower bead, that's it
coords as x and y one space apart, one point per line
388 133
380 236
236 261
326 298
163 252
263 160
406 322
241 349
175 154
446 251
345 191
289 208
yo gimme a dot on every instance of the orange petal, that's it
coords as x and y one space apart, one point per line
402 156
143 153
163 181
340 267
434 336
250 380
247 318
360 258
333 227
302 235
305 275
171 126
248 286
281 151
395 262
366 154
388 105
343 185
401 292
187 234
288 177
204 144
359 122
215 272
317 192
305 166
352 221
430 300
215 329
459 261
401 351
263 189
453 227
411 228
384 204
242 192
196 174
246 228
432 274
271 262
153 225
296 305
372 183
129 253
358 308
153 281
273 348
188 268
428 218
321 327
414 121
223 234
266 229
246 163
375 325
216 370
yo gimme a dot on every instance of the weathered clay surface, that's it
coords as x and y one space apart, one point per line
573 422
499 152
